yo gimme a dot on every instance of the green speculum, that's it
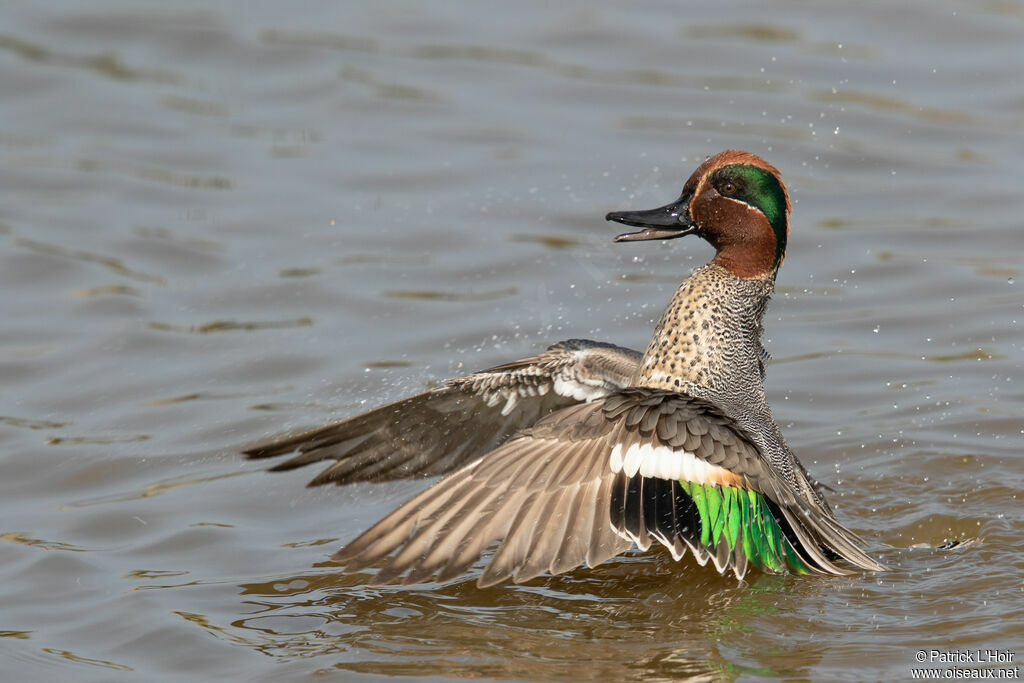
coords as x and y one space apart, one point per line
742 517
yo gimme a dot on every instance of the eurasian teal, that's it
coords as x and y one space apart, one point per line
573 456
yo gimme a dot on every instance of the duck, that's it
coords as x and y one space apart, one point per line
587 450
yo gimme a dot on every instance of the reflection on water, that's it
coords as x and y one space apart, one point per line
450 296
104 64
231 326
115 265
629 620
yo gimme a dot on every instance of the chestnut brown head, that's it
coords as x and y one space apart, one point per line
737 202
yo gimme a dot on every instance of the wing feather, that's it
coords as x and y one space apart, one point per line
554 498
437 432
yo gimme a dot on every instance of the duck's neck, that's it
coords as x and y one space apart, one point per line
708 341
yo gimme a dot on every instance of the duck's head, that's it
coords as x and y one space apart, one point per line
737 202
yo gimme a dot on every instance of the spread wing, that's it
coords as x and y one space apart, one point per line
439 431
590 480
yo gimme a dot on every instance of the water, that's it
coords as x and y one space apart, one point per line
226 220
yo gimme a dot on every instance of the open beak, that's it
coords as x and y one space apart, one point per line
664 223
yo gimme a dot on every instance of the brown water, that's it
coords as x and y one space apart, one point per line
223 222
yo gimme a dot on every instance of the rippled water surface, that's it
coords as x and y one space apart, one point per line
222 221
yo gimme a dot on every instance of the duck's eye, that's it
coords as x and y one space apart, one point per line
728 188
